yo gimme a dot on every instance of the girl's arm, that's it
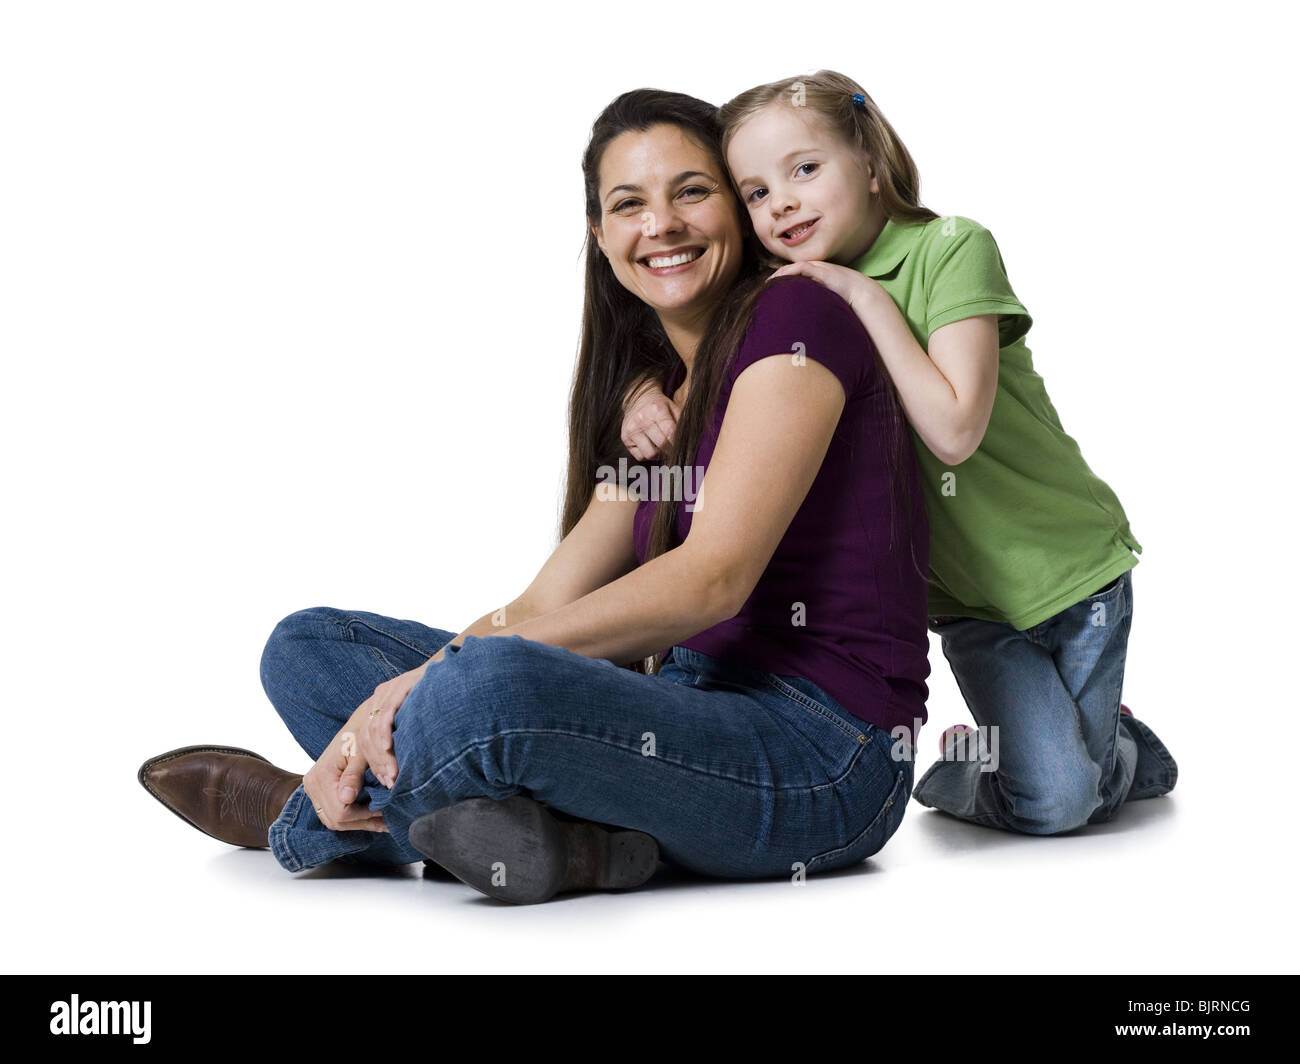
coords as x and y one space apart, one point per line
946 393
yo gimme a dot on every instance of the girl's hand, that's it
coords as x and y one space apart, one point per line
856 289
374 732
649 422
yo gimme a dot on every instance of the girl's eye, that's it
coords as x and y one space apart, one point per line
753 193
802 167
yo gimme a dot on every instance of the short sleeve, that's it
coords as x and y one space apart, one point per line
965 277
796 315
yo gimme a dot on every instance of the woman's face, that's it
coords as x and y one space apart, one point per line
808 195
669 223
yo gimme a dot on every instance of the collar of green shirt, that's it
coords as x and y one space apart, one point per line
890 248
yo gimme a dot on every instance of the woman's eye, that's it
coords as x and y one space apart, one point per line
622 205
694 190
803 168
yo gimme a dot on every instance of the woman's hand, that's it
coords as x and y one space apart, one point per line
335 781
856 289
325 787
374 745
649 421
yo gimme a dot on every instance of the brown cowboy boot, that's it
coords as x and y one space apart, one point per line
231 794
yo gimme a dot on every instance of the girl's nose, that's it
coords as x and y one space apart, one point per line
783 203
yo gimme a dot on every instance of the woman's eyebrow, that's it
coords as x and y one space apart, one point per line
676 180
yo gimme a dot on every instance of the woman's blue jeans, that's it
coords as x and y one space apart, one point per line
736 772
1065 755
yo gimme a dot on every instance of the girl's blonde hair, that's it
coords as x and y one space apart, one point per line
828 96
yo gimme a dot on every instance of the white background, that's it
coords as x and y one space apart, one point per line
289 303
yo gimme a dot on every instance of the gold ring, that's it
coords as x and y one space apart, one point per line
373 712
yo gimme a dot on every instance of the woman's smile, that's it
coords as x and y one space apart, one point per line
668 263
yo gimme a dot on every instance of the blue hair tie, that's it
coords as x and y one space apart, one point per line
859 100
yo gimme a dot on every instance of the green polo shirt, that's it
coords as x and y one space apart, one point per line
1023 528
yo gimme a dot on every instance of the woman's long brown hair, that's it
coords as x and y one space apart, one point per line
623 341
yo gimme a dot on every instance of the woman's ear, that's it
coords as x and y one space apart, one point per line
600 239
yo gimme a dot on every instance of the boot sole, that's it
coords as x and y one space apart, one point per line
207 748
517 852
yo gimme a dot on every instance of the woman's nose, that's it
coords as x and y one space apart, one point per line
662 219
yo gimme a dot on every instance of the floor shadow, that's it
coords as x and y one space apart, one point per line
671 877
950 834
1144 814
956 835
345 870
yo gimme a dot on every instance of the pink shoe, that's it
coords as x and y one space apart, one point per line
1124 709
949 737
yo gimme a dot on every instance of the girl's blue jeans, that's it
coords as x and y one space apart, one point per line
1065 755
736 772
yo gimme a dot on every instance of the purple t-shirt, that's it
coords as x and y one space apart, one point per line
860 633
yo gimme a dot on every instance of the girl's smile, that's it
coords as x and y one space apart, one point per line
798 233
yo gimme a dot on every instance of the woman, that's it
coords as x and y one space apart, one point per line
774 734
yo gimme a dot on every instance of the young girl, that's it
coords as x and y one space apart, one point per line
1031 552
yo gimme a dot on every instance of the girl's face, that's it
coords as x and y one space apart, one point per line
809 196
669 223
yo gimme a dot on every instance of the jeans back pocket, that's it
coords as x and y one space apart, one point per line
815 700
837 737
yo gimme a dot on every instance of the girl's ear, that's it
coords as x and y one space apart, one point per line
870 168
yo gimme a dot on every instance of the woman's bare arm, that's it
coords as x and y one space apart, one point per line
597 549
586 599
755 484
